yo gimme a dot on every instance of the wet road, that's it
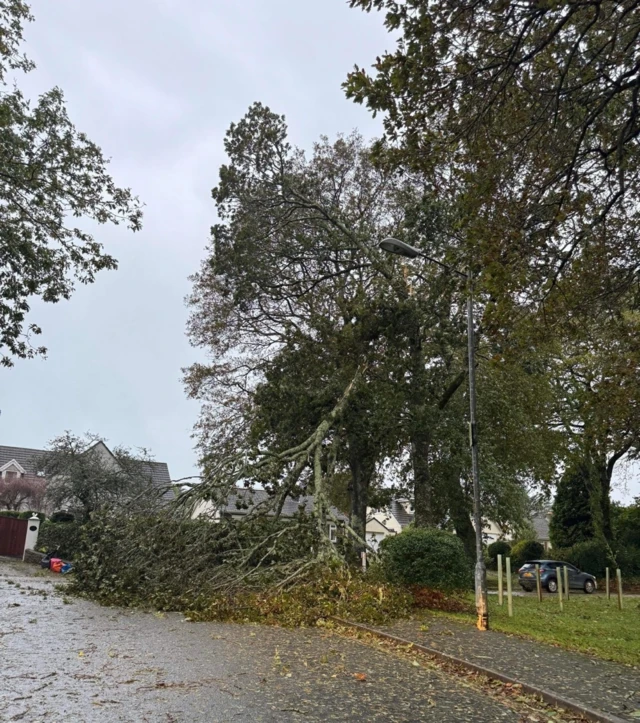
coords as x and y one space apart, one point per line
70 660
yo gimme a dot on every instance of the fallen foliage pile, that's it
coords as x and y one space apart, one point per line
328 592
260 571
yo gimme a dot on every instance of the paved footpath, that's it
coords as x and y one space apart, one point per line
71 660
594 683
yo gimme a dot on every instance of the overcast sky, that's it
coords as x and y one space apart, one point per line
156 83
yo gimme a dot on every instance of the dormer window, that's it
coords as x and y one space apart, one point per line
12 470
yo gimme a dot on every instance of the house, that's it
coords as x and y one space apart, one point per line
25 462
245 500
388 521
540 524
380 523
394 518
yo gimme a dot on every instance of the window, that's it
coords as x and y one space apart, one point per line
333 533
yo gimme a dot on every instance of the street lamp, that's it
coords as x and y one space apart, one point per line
400 248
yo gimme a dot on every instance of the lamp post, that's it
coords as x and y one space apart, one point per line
394 246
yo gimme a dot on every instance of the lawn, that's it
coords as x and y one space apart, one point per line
588 624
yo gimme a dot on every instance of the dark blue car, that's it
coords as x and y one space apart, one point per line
549 576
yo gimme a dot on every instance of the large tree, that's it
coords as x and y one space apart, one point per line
572 519
51 175
525 115
295 297
17 491
84 476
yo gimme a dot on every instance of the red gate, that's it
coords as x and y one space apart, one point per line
13 534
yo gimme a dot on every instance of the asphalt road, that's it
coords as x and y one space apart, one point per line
71 660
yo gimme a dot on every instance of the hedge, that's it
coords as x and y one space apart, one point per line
28 514
591 556
426 556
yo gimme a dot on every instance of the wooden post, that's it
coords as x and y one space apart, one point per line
606 584
619 576
509 596
566 582
538 583
500 594
559 579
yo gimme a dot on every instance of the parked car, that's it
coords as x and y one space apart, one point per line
549 576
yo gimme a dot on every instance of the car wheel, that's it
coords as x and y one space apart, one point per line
552 585
589 587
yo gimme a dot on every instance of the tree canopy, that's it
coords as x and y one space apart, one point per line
53 179
527 115
295 303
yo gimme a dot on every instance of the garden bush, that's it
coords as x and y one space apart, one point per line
525 550
9 513
61 537
499 547
427 556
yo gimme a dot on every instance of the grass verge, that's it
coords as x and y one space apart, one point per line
589 624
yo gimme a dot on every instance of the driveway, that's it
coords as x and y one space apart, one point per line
65 659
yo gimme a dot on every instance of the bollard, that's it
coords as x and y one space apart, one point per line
619 576
566 582
606 584
559 579
31 540
509 596
538 583
500 596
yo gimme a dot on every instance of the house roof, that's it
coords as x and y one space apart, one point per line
244 500
30 460
26 458
399 511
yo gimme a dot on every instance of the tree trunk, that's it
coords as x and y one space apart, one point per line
605 501
459 511
423 488
361 473
420 436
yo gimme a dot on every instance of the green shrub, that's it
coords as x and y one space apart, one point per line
62 516
61 537
9 513
426 556
525 550
626 524
591 556
499 547
628 559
